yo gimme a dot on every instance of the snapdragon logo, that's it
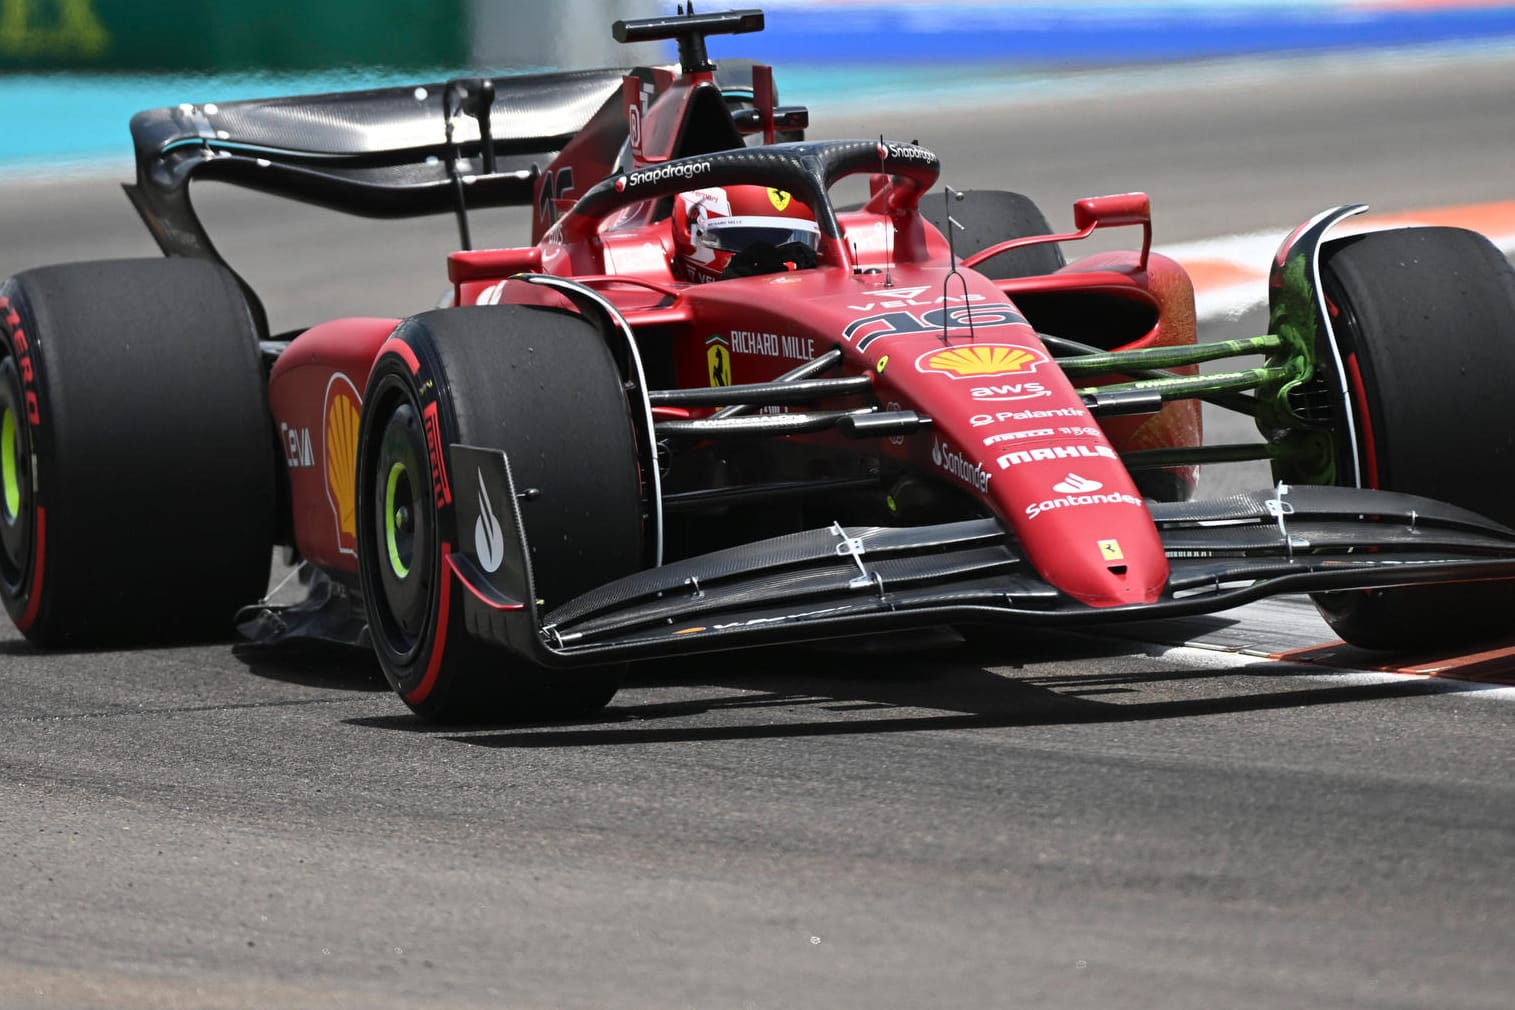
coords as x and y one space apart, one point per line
957 465
685 170
907 151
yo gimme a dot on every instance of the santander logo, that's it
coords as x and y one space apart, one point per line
959 466
1074 484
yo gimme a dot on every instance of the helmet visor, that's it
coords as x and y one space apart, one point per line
733 234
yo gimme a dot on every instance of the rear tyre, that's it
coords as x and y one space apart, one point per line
137 481
1426 322
991 216
540 384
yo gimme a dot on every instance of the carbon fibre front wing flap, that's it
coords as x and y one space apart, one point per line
838 581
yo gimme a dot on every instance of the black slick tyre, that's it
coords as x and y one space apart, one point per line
989 217
137 480
1426 322
540 384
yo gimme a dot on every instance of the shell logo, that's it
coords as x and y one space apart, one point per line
340 438
977 361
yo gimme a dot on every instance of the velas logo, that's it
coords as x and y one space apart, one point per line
1074 484
979 361
678 170
958 465
488 537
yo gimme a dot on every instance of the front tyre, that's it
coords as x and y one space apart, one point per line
540 384
1425 320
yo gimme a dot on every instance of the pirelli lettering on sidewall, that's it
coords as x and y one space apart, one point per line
436 450
22 349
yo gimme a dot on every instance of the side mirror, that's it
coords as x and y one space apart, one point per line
1116 211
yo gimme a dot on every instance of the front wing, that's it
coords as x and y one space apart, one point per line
837 581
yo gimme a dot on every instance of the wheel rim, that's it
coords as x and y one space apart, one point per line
403 533
15 480
10 467
399 522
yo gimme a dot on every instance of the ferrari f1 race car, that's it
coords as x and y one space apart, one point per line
707 408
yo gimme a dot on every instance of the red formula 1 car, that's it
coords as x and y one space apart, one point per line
707 408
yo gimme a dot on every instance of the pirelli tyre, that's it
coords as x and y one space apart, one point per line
989 217
137 480
1425 319
540 384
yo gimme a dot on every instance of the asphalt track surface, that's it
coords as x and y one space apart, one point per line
1057 821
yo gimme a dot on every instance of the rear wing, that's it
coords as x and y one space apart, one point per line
385 152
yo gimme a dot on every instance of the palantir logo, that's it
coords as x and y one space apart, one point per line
1074 484
488 538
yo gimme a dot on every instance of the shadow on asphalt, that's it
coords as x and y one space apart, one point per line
314 664
838 694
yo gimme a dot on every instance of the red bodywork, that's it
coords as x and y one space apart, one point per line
1007 426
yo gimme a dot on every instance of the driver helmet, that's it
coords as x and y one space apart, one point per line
762 229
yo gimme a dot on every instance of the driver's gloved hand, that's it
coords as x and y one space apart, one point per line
765 258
